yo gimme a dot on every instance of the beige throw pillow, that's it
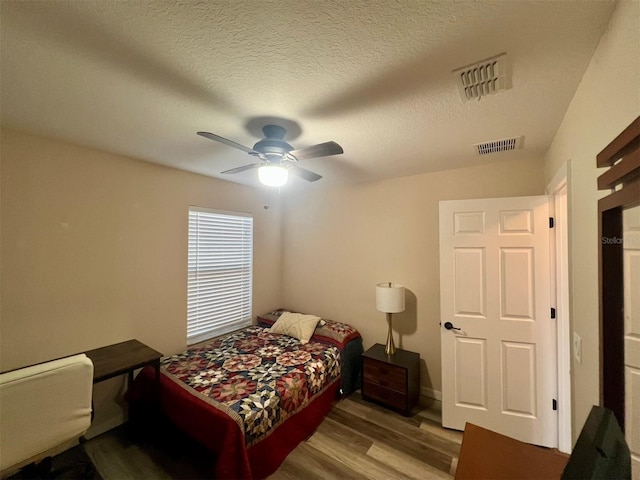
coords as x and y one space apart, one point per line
296 325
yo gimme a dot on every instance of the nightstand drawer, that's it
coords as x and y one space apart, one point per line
388 397
385 375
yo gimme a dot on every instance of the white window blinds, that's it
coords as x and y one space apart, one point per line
220 273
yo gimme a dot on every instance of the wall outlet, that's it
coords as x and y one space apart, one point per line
577 347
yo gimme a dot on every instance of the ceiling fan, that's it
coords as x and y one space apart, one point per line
277 157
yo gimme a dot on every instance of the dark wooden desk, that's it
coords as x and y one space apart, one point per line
121 358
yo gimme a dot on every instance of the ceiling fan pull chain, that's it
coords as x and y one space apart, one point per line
266 198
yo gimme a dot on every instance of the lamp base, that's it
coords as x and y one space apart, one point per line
390 348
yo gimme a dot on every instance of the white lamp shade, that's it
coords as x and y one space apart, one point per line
273 175
389 297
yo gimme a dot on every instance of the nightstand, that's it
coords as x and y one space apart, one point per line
392 380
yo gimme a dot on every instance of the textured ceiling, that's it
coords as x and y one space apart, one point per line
141 78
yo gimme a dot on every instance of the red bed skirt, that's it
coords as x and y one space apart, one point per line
220 434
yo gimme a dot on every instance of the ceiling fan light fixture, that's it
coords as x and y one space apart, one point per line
273 152
273 175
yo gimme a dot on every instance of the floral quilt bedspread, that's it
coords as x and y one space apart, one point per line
258 378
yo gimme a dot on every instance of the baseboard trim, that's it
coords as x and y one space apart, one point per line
429 392
100 428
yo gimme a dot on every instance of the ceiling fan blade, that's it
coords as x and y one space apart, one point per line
243 168
308 175
226 141
321 150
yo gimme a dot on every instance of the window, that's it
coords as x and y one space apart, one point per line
220 273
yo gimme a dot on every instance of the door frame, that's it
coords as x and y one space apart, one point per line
559 191
621 157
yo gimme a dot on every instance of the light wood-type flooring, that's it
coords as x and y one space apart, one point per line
357 440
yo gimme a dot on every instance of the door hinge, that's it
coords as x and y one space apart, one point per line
552 222
555 404
553 312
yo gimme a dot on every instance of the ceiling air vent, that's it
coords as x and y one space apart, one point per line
496 146
483 78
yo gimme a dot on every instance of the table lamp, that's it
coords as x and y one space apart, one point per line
390 299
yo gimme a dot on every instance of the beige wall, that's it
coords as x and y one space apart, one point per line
340 242
94 250
606 101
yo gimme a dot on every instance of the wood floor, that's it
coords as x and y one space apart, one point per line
357 440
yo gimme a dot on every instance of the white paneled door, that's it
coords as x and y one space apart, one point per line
498 339
631 249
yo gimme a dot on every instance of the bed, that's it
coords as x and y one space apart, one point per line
250 397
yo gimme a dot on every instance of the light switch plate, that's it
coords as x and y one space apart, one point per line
577 347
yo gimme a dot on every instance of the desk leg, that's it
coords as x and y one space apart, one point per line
156 365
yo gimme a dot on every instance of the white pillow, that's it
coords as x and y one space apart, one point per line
296 325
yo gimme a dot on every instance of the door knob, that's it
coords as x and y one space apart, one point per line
449 326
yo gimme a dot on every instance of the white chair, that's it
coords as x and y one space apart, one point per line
44 410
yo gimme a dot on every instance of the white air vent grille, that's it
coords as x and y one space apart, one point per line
483 78
496 146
